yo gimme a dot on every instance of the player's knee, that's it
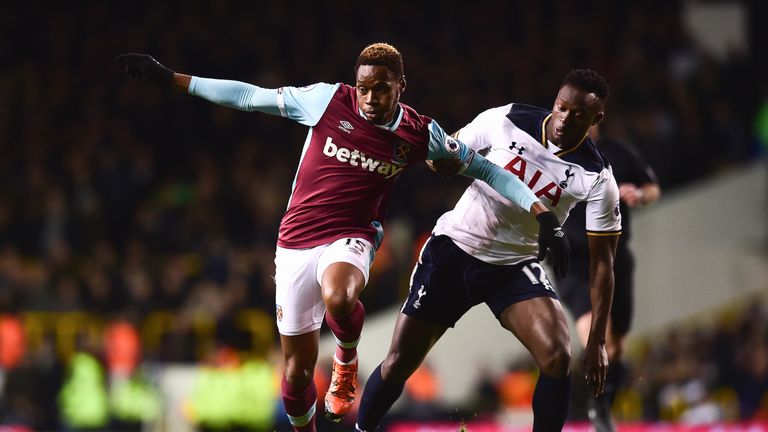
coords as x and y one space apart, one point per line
556 361
395 368
298 375
340 286
339 302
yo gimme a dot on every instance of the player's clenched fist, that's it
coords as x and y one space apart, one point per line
447 167
553 238
143 66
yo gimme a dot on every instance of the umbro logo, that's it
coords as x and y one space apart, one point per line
345 126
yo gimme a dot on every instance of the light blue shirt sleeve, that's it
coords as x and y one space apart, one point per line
235 94
503 181
442 145
305 105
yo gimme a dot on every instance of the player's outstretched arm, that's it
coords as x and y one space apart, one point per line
601 250
232 94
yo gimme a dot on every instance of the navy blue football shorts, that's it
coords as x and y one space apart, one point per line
447 282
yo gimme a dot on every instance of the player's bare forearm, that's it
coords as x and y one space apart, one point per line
181 81
602 250
537 207
601 295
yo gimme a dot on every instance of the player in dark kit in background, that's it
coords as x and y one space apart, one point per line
638 187
360 140
484 251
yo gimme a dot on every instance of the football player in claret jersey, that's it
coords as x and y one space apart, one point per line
485 250
361 138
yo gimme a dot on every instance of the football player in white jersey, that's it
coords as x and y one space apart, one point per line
485 250
638 187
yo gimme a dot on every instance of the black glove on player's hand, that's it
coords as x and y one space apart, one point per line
143 66
552 237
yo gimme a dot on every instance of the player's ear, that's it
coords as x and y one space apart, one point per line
598 118
401 83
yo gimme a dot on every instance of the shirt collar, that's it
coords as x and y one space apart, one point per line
550 145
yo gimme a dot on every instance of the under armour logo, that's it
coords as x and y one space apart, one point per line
421 292
514 147
568 174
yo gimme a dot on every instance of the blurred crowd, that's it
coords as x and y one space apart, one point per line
704 371
123 200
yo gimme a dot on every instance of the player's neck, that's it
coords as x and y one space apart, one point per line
562 146
390 124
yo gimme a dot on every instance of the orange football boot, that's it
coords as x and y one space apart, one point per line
341 393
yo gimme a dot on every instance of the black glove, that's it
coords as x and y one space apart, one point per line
552 237
142 66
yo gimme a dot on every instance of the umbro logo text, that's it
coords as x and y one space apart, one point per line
345 126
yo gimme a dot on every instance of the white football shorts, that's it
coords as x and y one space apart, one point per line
298 272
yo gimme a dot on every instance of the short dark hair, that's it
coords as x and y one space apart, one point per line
381 54
588 80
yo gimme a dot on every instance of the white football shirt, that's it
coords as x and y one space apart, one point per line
493 229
